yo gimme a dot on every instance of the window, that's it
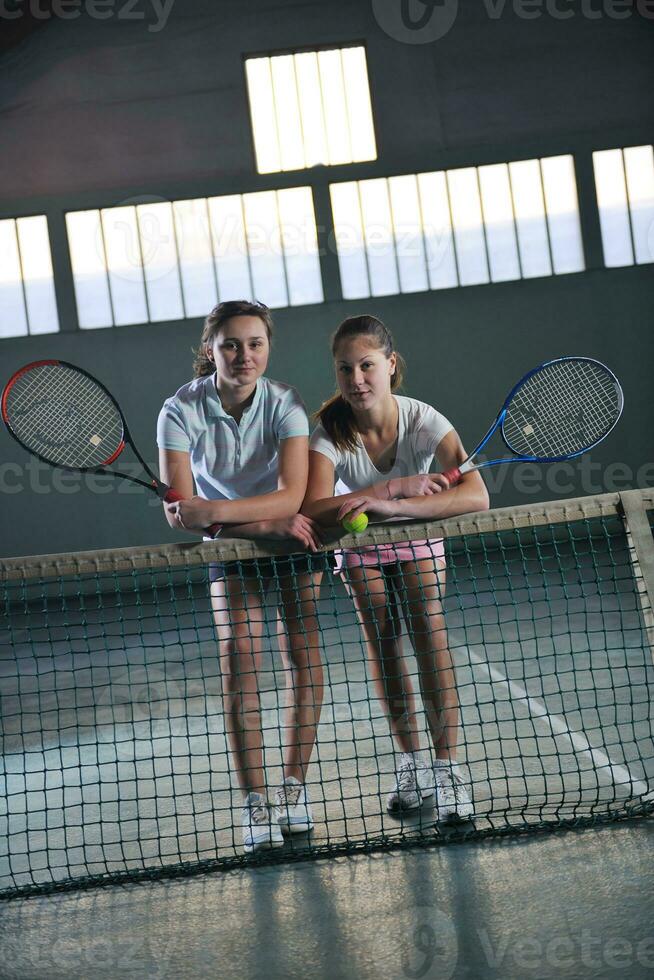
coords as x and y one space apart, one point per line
310 108
457 227
624 181
172 260
27 294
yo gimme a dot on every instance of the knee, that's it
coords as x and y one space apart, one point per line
239 663
429 624
302 634
303 653
384 629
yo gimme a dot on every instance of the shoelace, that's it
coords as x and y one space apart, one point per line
259 813
288 795
406 775
449 779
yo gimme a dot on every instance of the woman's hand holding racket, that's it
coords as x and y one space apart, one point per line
557 411
193 514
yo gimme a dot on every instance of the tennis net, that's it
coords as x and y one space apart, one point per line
115 761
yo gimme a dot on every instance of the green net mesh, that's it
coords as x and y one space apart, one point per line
115 731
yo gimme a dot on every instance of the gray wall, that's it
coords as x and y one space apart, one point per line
93 113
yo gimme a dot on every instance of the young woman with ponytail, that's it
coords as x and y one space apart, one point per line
372 452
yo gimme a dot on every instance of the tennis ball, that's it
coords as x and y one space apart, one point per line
357 526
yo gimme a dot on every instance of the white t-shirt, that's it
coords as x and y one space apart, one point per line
420 430
231 460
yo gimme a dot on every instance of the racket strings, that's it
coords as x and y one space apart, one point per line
50 419
64 416
563 409
553 421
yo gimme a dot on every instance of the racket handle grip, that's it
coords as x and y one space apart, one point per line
171 497
452 476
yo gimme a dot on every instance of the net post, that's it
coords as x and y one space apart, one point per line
641 551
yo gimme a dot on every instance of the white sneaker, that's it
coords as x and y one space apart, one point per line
414 782
260 827
452 796
292 807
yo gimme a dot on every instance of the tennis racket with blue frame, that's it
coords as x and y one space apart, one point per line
558 411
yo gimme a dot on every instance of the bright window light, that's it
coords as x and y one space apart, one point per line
312 117
310 108
263 114
27 296
13 321
468 226
624 183
359 109
231 260
287 107
437 230
350 241
300 245
161 266
562 208
457 227
500 226
530 221
379 238
639 167
611 190
265 248
90 275
168 261
196 264
120 234
408 233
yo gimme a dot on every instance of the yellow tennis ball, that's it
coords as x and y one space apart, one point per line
357 526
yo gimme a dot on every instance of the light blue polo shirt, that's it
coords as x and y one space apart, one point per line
230 460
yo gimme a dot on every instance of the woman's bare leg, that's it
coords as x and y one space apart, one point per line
420 588
301 653
238 613
378 616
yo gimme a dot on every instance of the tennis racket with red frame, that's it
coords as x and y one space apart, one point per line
558 411
67 418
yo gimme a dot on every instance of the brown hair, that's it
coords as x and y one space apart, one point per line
203 365
336 415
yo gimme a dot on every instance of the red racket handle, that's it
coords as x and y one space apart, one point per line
452 476
172 497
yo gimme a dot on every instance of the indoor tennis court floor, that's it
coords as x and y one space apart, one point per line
566 905
553 720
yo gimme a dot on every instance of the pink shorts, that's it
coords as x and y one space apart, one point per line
384 554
